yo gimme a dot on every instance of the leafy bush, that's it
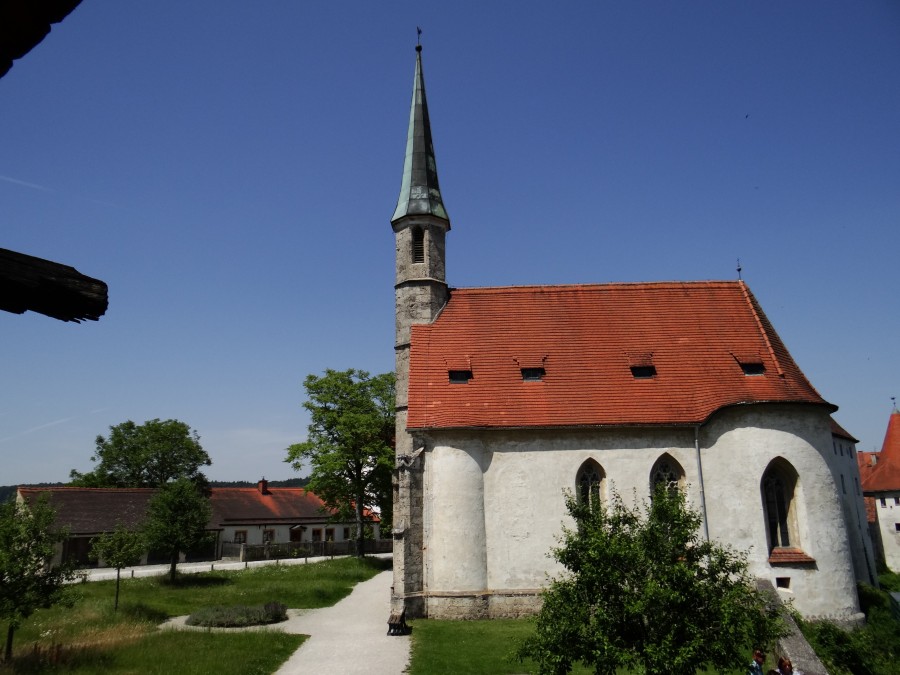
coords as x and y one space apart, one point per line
238 616
645 591
889 581
873 649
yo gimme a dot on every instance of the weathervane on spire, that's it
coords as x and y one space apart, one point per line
418 37
739 268
894 402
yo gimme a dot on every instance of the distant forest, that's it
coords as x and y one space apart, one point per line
9 491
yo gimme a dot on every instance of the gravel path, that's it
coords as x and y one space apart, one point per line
349 638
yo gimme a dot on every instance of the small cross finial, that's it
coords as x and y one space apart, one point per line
739 268
418 38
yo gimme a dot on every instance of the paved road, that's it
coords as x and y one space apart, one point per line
351 637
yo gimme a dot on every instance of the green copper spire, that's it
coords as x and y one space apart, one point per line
419 190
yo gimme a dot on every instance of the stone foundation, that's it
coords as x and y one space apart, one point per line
488 605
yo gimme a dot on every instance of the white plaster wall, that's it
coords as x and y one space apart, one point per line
255 533
739 444
861 546
494 504
454 522
888 517
283 532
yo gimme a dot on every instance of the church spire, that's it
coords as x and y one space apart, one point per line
419 190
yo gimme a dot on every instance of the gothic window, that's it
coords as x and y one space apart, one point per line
588 482
666 472
778 485
418 245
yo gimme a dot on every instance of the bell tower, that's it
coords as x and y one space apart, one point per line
420 225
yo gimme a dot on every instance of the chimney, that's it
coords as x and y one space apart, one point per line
263 487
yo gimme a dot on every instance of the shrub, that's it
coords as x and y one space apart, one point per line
238 616
873 649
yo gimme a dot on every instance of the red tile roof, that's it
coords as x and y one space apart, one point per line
789 556
86 511
233 506
871 510
866 461
885 477
695 334
93 510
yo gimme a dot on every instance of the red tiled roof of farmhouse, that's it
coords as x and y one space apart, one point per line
611 354
885 476
270 505
93 510
266 505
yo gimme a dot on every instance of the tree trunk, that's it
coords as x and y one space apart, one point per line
7 654
360 534
118 576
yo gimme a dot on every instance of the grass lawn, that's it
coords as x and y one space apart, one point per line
89 637
477 648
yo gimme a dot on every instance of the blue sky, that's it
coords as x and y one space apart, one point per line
230 169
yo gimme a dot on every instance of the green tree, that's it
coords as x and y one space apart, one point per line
28 579
349 444
145 455
120 548
645 592
177 518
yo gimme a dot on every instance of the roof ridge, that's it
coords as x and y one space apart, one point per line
750 301
609 284
78 488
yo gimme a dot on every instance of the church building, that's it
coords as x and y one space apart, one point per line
507 397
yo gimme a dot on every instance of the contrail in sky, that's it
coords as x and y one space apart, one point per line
48 424
35 186
44 188
33 429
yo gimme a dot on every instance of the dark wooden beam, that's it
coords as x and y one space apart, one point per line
49 288
24 23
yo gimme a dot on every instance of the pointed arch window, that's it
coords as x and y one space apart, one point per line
418 245
778 486
666 472
589 482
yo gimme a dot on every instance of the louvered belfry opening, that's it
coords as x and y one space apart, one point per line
418 245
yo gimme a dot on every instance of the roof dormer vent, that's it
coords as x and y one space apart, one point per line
641 365
751 364
459 376
643 372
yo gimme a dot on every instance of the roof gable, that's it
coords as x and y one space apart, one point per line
885 475
588 338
